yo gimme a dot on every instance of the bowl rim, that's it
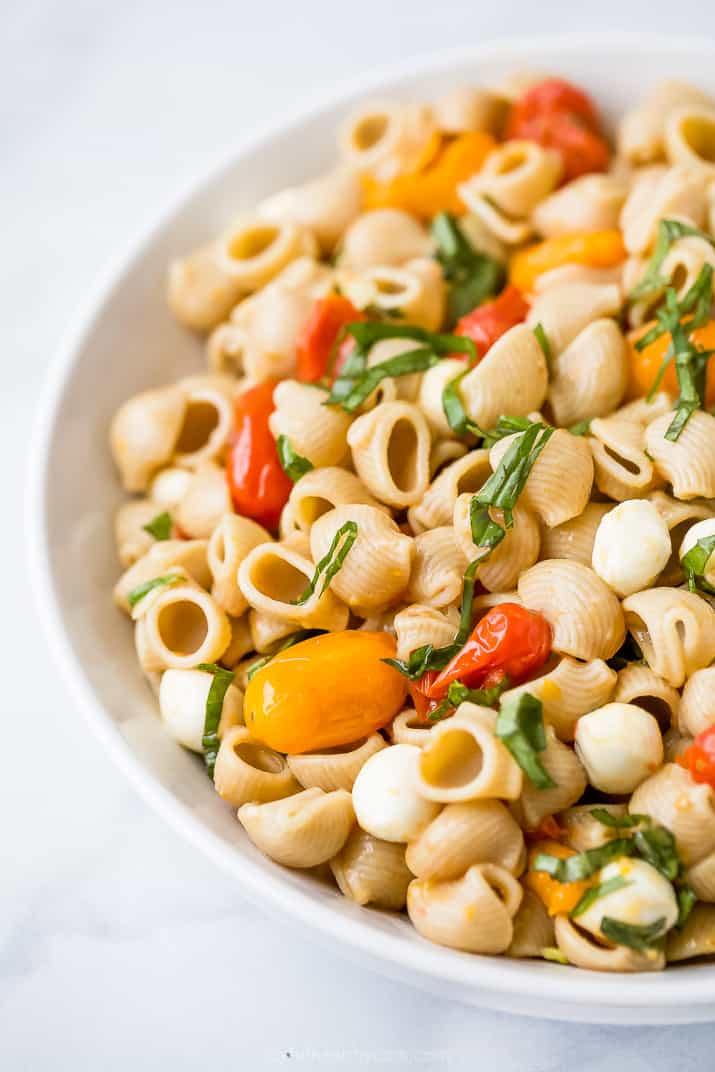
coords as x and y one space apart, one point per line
425 964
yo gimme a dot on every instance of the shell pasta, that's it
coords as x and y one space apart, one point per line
421 566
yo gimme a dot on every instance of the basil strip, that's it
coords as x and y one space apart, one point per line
618 822
472 276
668 232
596 892
520 726
418 360
686 902
428 657
695 563
583 864
156 582
504 427
580 428
294 638
331 562
454 410
657 847
635 936
292 464
457 693
214 706
160 526
545 347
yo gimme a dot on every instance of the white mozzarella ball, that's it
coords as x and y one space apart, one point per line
632 546
647 898
182 704
701 530
169 487
385 797
620 745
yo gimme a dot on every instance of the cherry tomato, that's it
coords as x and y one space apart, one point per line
562 117
699 757
508 641
488 322
319 333
259 487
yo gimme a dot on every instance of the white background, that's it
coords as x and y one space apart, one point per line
120 947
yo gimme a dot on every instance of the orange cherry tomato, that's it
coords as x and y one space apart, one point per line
596 249
259 487
319 333
489 321
558 897
562 117
325 692
644 364
699 757
508 641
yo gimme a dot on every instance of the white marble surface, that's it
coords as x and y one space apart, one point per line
120 947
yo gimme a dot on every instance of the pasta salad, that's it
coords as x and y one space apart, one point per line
422 565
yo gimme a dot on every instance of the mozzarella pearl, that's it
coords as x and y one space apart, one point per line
699 531
647 898
632 546
385 797
620 745
182 705
169 487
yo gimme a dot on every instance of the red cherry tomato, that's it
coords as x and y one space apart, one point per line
488 322
319 333
508 641
562 117
699 757
259 487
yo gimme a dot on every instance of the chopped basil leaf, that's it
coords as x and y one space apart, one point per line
552 952
472 276
428 657
331 562
160 526
294 465
635 936
454 410
294 638
356 381
214 706
459 693
504 427
545 347
148 586
695 563
581 428
657 847
520 726
618 822
668 232
596 892
686 902
583 864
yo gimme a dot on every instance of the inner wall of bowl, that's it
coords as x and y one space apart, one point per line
132 343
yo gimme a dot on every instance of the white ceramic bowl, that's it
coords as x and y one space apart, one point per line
128 341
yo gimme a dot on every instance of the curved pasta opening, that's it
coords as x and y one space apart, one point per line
182 626
369 131
200 421
250 243
698 133
628 464
655 706
455 761
258 757
511 159
278 579
471 481
402 454
679 277
312 507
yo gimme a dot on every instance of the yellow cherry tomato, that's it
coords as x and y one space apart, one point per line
593 249
558 897
644 364
330 690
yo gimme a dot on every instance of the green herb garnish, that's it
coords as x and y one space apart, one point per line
695 563
294 465
294 638
596 892
160 526
472 276
636 936
581 428
454 410
222 678
520 726
457 693
668 232
331 562
148 586
657 847
504 427
686 902
618 822
545 347
583 864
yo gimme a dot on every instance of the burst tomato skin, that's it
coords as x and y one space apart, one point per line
509 641
488 322
699 757
319 334
259 487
